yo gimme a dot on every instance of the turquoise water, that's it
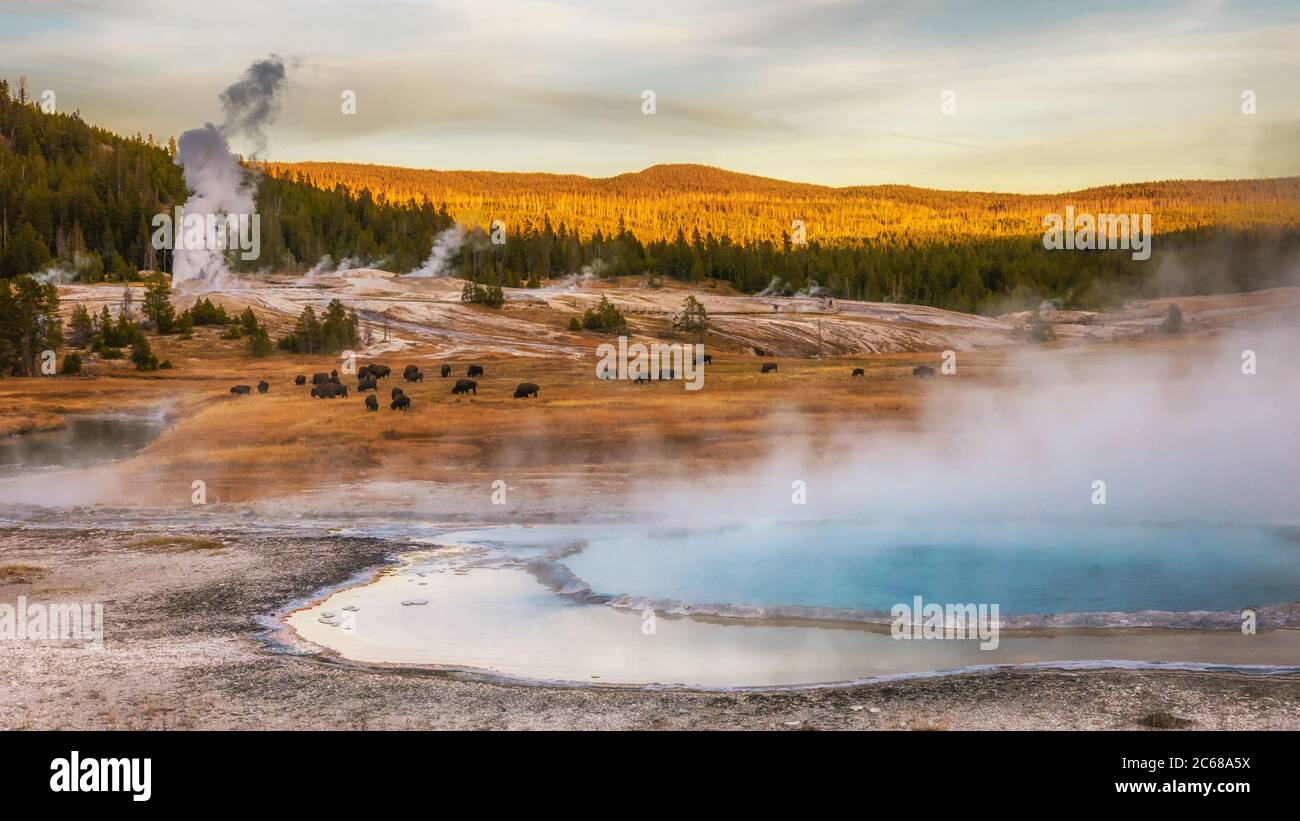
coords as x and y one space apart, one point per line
1025 568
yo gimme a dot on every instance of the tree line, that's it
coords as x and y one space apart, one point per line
77 201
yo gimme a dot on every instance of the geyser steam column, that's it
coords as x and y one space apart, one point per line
221 188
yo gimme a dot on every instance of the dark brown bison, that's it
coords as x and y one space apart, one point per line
263 386
300 380
363 372
413 376
525 390
367 384
859 372
396 392
319 378
759 352
401 403
329 390
334 377
241 390
769 367
445 370
923 371
465 386
474 370
708 359
380 371
372 404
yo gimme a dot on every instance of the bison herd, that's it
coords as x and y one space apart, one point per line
330 386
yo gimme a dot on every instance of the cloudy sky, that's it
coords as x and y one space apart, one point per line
1047 97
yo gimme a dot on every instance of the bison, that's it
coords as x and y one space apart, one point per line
363 372
446 371
380 371
263 386
413 376
923 371
396 392
525 390
401 403
367 384
858 372
769 367
300 380
474 370
319 378
329 390
708 359
241 390
334 377
372 404
465 386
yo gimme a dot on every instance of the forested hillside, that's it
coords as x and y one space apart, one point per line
76 201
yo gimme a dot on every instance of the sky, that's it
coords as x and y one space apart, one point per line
1045 96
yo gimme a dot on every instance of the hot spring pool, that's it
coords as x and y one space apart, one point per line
771 604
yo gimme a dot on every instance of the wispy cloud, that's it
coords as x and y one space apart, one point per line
833 91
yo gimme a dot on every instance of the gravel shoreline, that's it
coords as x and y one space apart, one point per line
186 647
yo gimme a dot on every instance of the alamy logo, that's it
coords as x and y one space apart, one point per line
208 232
642 363
56 621
77 774
1086 232
953 621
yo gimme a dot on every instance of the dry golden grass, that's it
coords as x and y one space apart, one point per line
251 447
21 573
175 544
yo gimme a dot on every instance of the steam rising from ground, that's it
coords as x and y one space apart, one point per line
1175 435
219 183
445 246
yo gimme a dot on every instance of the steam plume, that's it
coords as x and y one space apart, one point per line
220 185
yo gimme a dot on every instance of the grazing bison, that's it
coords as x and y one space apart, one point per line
396 393
465 386
413 376
367 384
474 370
300 380
319 378
923 371
401 403
329 390
525 390
708 359
263 386
372 404
769 367
446 371
334 377
859 372
241 390
363 372
379 371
